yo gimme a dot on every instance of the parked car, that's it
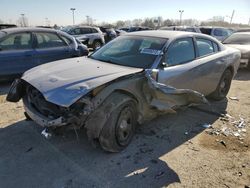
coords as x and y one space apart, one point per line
5 26
25 48
182 28
130 80
138 28
219 33
126 29
109 33
90 36
120 32
240 41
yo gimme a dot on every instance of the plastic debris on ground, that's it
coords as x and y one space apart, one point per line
46 134
231 127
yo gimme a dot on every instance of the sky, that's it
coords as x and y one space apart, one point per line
58 11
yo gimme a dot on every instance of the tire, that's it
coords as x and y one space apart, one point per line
97 44
248 65
119 129
223 86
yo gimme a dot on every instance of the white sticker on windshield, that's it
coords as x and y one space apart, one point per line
150 51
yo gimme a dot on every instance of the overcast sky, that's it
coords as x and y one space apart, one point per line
58 11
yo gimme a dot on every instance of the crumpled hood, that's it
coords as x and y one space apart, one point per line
243 48
64 82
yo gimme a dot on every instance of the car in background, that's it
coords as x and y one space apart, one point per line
109 33
90 36
135 28
182 28
220 33
130 80
25 48
120 32
126 29
240 41
5 26
243 30
138 28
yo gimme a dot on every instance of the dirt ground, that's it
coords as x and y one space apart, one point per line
174 150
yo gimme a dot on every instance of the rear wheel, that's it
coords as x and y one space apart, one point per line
119 129
223 86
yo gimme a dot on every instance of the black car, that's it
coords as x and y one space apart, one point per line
5 26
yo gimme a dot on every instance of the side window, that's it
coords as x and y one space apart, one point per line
49 40
18 41
181 51
67 40
76 31
204 46
218 32
94 30
86 31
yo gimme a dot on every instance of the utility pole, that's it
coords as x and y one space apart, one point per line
23 21
232 17
181 12
73 13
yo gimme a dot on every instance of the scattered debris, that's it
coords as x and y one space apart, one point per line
234 98
233 127
46 134
154 161
28 150
206 125
146 150
159 175
223 143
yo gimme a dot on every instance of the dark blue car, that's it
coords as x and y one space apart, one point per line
25 48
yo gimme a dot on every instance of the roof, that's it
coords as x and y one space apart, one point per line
167 34
26 29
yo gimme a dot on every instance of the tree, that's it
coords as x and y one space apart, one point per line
119 24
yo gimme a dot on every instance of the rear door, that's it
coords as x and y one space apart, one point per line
50 47
191 64
16 54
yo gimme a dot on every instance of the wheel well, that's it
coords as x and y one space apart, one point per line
231 69
127 93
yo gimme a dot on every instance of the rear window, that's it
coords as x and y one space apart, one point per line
206 31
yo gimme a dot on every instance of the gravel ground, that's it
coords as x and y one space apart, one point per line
196 147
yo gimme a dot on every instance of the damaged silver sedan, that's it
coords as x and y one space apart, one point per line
130 80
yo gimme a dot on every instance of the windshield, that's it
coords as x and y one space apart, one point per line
132 51
238 38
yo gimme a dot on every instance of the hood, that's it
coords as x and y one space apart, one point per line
64 82
243 48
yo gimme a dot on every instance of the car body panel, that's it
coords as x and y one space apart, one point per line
65 84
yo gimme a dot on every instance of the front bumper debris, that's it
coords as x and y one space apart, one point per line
41 119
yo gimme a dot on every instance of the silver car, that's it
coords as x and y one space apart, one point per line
130 80
90 36
240 41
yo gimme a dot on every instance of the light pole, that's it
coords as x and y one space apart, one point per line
181 12
73 13
23 21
